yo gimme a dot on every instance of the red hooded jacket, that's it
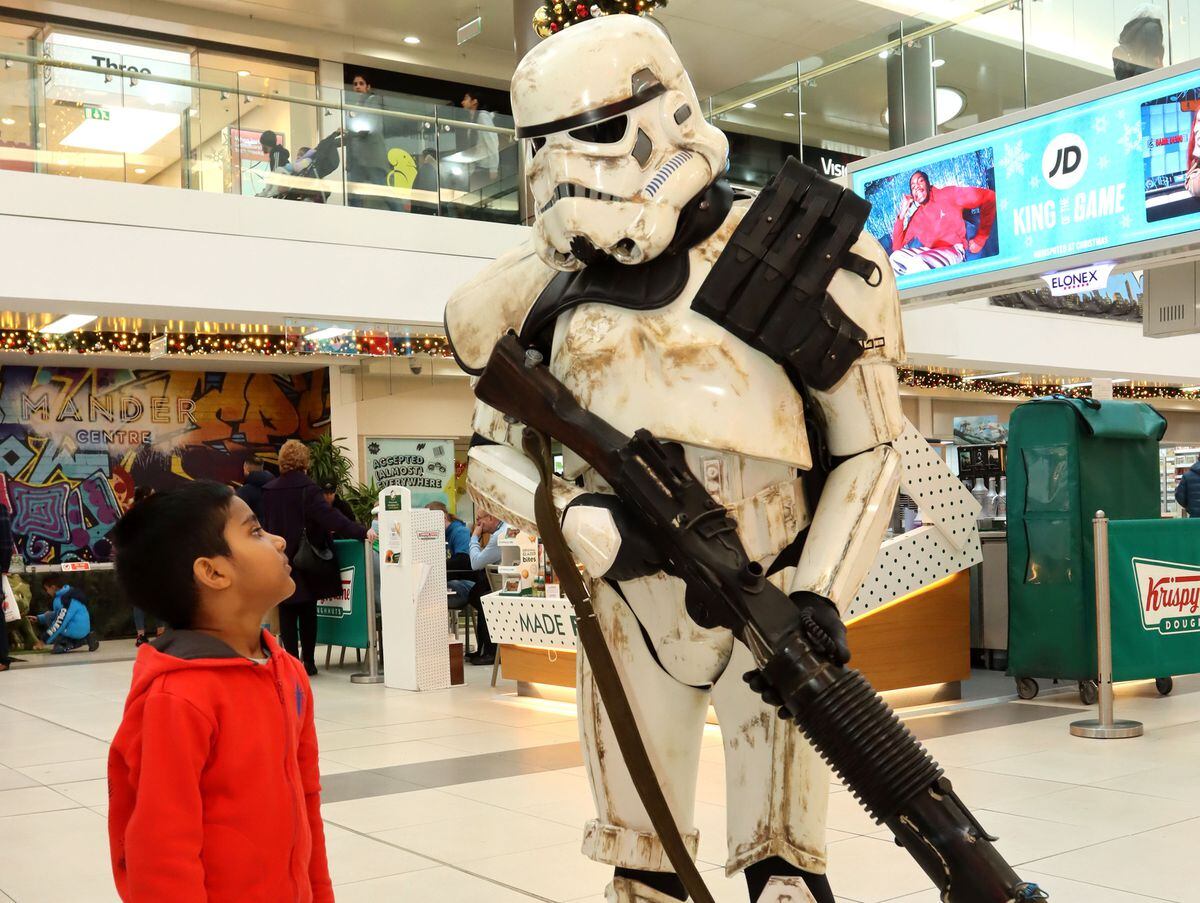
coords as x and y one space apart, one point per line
213 784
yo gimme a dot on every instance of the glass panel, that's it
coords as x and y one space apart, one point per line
477 165
18 107
844 110
761 119
214 150
1073 45
980 66
161 118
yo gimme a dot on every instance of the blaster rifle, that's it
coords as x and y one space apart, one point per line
854 730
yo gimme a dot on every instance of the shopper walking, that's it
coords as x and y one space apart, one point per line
1187 493
366 152
141 494
255 477
484 144
295 508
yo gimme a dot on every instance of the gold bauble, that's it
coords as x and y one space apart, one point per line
541 22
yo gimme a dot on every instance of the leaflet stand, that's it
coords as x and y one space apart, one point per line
413 593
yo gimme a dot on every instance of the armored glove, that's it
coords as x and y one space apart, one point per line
825 632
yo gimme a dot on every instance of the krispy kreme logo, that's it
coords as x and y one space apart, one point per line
1169 594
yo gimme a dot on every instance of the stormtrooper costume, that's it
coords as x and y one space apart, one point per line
631 217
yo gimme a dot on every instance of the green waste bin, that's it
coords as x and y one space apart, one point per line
1067 459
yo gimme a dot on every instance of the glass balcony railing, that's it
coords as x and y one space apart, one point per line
931 74
169 123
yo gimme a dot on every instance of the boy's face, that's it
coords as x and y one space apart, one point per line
258 569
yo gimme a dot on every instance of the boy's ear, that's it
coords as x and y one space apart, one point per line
212 573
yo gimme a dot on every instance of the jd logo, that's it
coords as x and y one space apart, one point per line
1169 595
1065 161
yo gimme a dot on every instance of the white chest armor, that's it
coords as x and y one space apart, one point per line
681 376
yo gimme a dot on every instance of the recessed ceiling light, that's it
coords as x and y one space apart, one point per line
127 130
141 170
41 125
938 63
66 324
950 103
790 115
243 73
883 54
63 162
749 106
7 120
412 39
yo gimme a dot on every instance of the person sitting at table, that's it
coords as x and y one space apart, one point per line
481 556
458 556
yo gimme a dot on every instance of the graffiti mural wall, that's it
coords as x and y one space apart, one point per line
75 442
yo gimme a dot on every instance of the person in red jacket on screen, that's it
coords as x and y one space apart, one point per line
931 221
213 786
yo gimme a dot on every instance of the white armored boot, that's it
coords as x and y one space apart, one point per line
786 890
626 890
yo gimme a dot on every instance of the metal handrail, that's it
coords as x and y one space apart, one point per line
200 85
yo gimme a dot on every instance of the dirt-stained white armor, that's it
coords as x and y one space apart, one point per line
621 161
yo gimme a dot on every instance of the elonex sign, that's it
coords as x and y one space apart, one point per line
1082 279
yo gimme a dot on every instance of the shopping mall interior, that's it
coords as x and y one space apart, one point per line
618 375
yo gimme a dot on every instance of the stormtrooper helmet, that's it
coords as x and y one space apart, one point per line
616 142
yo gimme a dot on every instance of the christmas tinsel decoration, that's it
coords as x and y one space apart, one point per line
555 15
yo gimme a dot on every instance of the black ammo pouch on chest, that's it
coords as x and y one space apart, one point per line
770 285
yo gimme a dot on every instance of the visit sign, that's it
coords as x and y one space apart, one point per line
1102 175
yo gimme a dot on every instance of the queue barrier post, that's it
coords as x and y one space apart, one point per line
1106 727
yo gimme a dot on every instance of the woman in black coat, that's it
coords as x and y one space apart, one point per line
292 505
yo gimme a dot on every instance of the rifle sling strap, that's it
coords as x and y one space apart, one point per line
604 671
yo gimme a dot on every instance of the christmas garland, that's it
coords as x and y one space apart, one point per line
556 15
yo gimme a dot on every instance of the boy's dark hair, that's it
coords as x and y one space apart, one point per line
268 139
55 580
158 542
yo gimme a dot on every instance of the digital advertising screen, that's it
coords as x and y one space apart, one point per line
1096 176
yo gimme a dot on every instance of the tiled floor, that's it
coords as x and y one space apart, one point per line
475 795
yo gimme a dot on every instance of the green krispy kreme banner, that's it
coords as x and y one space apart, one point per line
343 621
1154 573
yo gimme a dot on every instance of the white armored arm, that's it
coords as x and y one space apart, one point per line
862 418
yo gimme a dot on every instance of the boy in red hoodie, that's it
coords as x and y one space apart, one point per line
214 791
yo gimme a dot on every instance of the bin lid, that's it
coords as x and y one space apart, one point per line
1113 419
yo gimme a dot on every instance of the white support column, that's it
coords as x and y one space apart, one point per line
343 413
925 416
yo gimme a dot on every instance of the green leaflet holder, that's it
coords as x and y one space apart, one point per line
343 622
1067 459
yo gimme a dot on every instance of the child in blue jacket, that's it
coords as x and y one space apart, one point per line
68 625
